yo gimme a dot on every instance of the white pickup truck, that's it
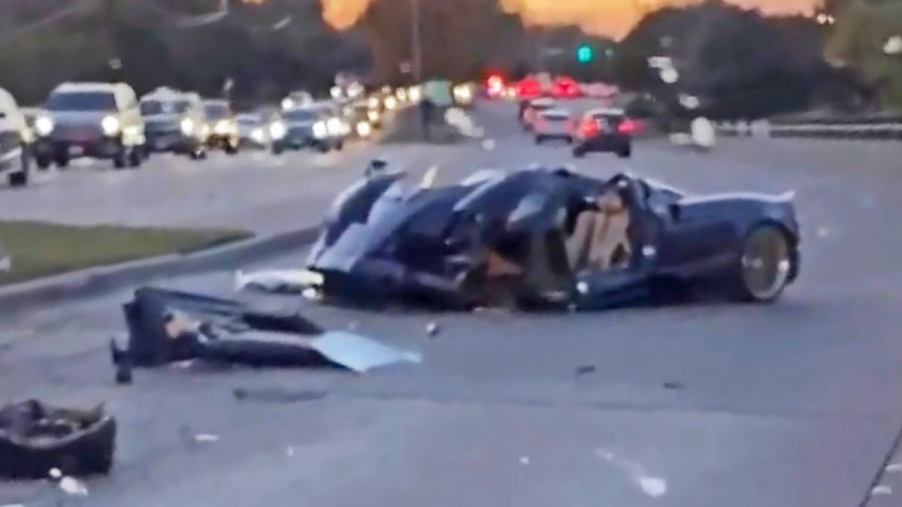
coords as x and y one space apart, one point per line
15 141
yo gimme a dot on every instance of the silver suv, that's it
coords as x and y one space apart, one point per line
99 120
15 141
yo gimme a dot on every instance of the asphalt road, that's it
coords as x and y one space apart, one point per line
793 404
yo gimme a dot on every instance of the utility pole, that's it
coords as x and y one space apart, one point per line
416 50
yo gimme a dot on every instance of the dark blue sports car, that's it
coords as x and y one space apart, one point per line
550 238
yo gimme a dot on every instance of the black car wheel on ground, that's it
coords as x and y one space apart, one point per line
135 156
765 265
340 146
540 139
277 149
120 159
579 152
569 139
323 148
20 177
231 148
43 161
625 152
62 160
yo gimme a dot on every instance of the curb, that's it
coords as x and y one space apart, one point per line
100 279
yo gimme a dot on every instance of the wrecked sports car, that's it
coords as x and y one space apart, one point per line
549 238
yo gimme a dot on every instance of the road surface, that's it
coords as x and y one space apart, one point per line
794 404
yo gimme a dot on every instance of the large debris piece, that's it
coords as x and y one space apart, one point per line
167 326
36 438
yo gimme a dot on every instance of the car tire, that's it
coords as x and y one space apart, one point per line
135 157
539 139
340 146
20 177
43 162
62 160
568 139
120 159
626 152
277 149
323 148
579 152
763 269
231 149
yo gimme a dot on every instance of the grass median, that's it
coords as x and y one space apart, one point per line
39 249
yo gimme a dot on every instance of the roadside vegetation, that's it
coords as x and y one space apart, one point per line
38 249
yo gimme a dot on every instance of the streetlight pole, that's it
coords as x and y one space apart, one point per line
415 43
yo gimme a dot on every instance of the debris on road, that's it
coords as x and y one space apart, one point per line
204 438
282 281
881 490
432 328
168 326
585 369
73 486
524 460
652 486
277 394
673 385
36 437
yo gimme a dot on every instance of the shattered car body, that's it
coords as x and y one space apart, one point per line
166 326
550 238
36 437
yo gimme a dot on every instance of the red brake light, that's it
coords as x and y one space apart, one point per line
627 127
589 128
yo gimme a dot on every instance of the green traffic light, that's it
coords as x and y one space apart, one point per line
585 54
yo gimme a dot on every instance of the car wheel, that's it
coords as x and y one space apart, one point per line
62 160
120 159
568 139
20 177
231 148
539 139
276 149
579 152
135 157
340 146
43 161
765 265
323 148
626 152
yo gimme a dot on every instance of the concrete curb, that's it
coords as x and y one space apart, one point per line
92 281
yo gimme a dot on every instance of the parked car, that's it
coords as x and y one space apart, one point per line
605 130
98 120
223 126
175 122
15 141
254 131
553 124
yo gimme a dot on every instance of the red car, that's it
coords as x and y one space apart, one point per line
565 88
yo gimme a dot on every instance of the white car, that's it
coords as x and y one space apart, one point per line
553 124
15 141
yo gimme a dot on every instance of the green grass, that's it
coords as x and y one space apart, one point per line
41 249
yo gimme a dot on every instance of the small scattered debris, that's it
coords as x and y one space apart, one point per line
524 460
653 486
881 490
432 328
206 438
894 468
585 369
73 486
673 385
277 395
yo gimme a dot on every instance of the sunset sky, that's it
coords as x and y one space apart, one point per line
604 17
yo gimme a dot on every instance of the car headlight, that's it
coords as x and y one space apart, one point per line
373 102
257 135
415 93
222 127
373 115
364 129
390 103
187 126
334 126
320 130
109 125
43 125
277 130
287 103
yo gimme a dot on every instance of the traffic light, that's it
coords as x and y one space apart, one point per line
585 54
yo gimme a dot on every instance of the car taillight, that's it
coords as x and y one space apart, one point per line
589 128
627 127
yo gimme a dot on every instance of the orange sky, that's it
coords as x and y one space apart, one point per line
605 17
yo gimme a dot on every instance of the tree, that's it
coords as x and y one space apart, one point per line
857 42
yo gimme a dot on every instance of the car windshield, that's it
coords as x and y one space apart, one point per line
301 114
153 107
82 101
217 110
